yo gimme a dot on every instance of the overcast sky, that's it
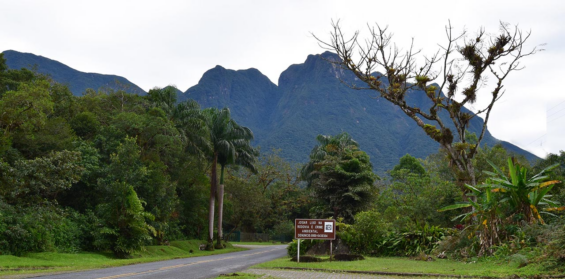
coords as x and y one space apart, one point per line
157 43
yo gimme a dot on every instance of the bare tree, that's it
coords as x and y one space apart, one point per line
451 78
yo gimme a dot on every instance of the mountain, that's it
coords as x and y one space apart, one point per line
249 94
77 81
311 99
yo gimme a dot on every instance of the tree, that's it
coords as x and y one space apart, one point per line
327 145
125 229
449 79
24 110
41 179
341 176
265 200
230 144
410 164
10 79
413 195
186 116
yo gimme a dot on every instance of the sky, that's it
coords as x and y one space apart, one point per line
159 43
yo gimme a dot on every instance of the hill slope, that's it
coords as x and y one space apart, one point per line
312 100
249 94
77 81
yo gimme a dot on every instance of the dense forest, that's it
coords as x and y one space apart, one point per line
113 171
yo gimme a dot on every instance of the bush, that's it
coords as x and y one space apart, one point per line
414 242
38 229
371 235
125 230
304 246
366 235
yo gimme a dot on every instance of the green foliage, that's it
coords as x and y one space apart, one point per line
504 201
412 196
267 201
125 229
38 228
409 164
367 234
372 234
524 194
32 181
85 124
414 242
340 176
305 244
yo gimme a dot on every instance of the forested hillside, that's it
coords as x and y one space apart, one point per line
113 171
77 81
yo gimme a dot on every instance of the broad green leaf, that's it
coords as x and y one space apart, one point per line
454 206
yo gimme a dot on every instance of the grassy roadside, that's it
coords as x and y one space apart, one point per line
59 262
406 265
239 275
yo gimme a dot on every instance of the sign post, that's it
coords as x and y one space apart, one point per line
298 254
313 229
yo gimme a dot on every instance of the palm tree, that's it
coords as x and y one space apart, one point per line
186 116
165 98
327 145
230 144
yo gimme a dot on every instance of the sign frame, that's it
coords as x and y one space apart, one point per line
323 229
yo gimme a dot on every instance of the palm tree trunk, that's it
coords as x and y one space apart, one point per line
220 197
213 183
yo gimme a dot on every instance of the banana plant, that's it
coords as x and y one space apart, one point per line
485 212
525 195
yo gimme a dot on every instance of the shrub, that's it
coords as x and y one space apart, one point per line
304 246
125 230
366 235
414 242
37 229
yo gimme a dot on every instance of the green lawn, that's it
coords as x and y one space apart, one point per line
55 262
406 265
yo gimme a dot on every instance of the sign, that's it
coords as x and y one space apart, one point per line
314 229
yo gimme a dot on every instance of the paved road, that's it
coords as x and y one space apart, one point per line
197 267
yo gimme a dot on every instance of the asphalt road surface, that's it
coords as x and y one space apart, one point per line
196 267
